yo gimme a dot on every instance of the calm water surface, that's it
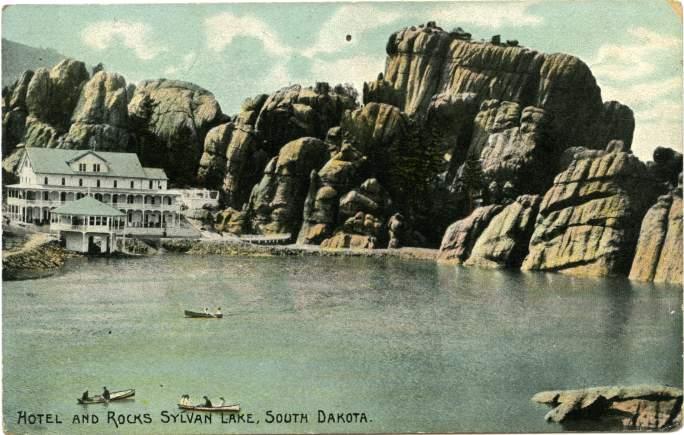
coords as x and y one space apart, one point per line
416 346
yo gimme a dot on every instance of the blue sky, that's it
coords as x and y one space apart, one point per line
238 50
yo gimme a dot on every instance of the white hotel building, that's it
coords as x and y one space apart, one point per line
53 178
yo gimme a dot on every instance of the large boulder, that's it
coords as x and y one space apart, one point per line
100 119
231 162
294 112
275 205
338 176
460 237
589 220
517 147
171 119
504 242
14 113
425 61
52 94
615 408
659 251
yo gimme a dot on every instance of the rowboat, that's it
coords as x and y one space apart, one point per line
225 408
114 395
196 314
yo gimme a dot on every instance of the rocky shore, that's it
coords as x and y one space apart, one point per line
238 248
35 257
640 407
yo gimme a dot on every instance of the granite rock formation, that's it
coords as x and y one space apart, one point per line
505 240
235 154
589 220
461 236
170 120
100 119
639 407
275 205
658 254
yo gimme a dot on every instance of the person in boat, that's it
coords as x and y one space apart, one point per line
223 401
105 394
85 397
206 310
207 402
218 312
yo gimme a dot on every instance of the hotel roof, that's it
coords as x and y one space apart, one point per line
88 206
56 161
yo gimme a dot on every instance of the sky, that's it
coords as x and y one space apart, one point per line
238 50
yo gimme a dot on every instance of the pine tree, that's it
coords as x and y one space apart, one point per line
472 178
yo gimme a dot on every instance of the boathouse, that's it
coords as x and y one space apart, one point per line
87 225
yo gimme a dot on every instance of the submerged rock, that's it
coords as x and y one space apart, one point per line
640 407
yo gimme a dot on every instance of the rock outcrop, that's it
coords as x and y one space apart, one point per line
275 205
14 113
505 240
235 154
589 220
100 119
659 251
52 95
425 61
461 236
295 112
640 407
170 120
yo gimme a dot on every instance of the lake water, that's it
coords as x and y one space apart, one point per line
416 346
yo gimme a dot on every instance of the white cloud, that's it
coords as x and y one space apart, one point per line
352 20
633 60
134 35
641 93
354 70
357 19
486 14
221 29
186 64
659 126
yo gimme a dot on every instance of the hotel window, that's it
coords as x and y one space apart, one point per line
150 184
45 196
115 199
81 167
63 182
96 167
114 183
130 200
132 183
45 180
98 183
80 181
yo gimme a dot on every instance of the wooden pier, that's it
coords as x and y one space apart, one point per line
271 239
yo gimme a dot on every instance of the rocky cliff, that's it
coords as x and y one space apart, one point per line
506 156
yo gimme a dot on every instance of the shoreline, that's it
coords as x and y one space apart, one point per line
241 248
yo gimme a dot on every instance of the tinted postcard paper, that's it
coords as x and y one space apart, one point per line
386 217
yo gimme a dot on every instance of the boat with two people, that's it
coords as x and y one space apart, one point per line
207 406
204 314
106 396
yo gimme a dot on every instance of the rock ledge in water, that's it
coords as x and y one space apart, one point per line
633 407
